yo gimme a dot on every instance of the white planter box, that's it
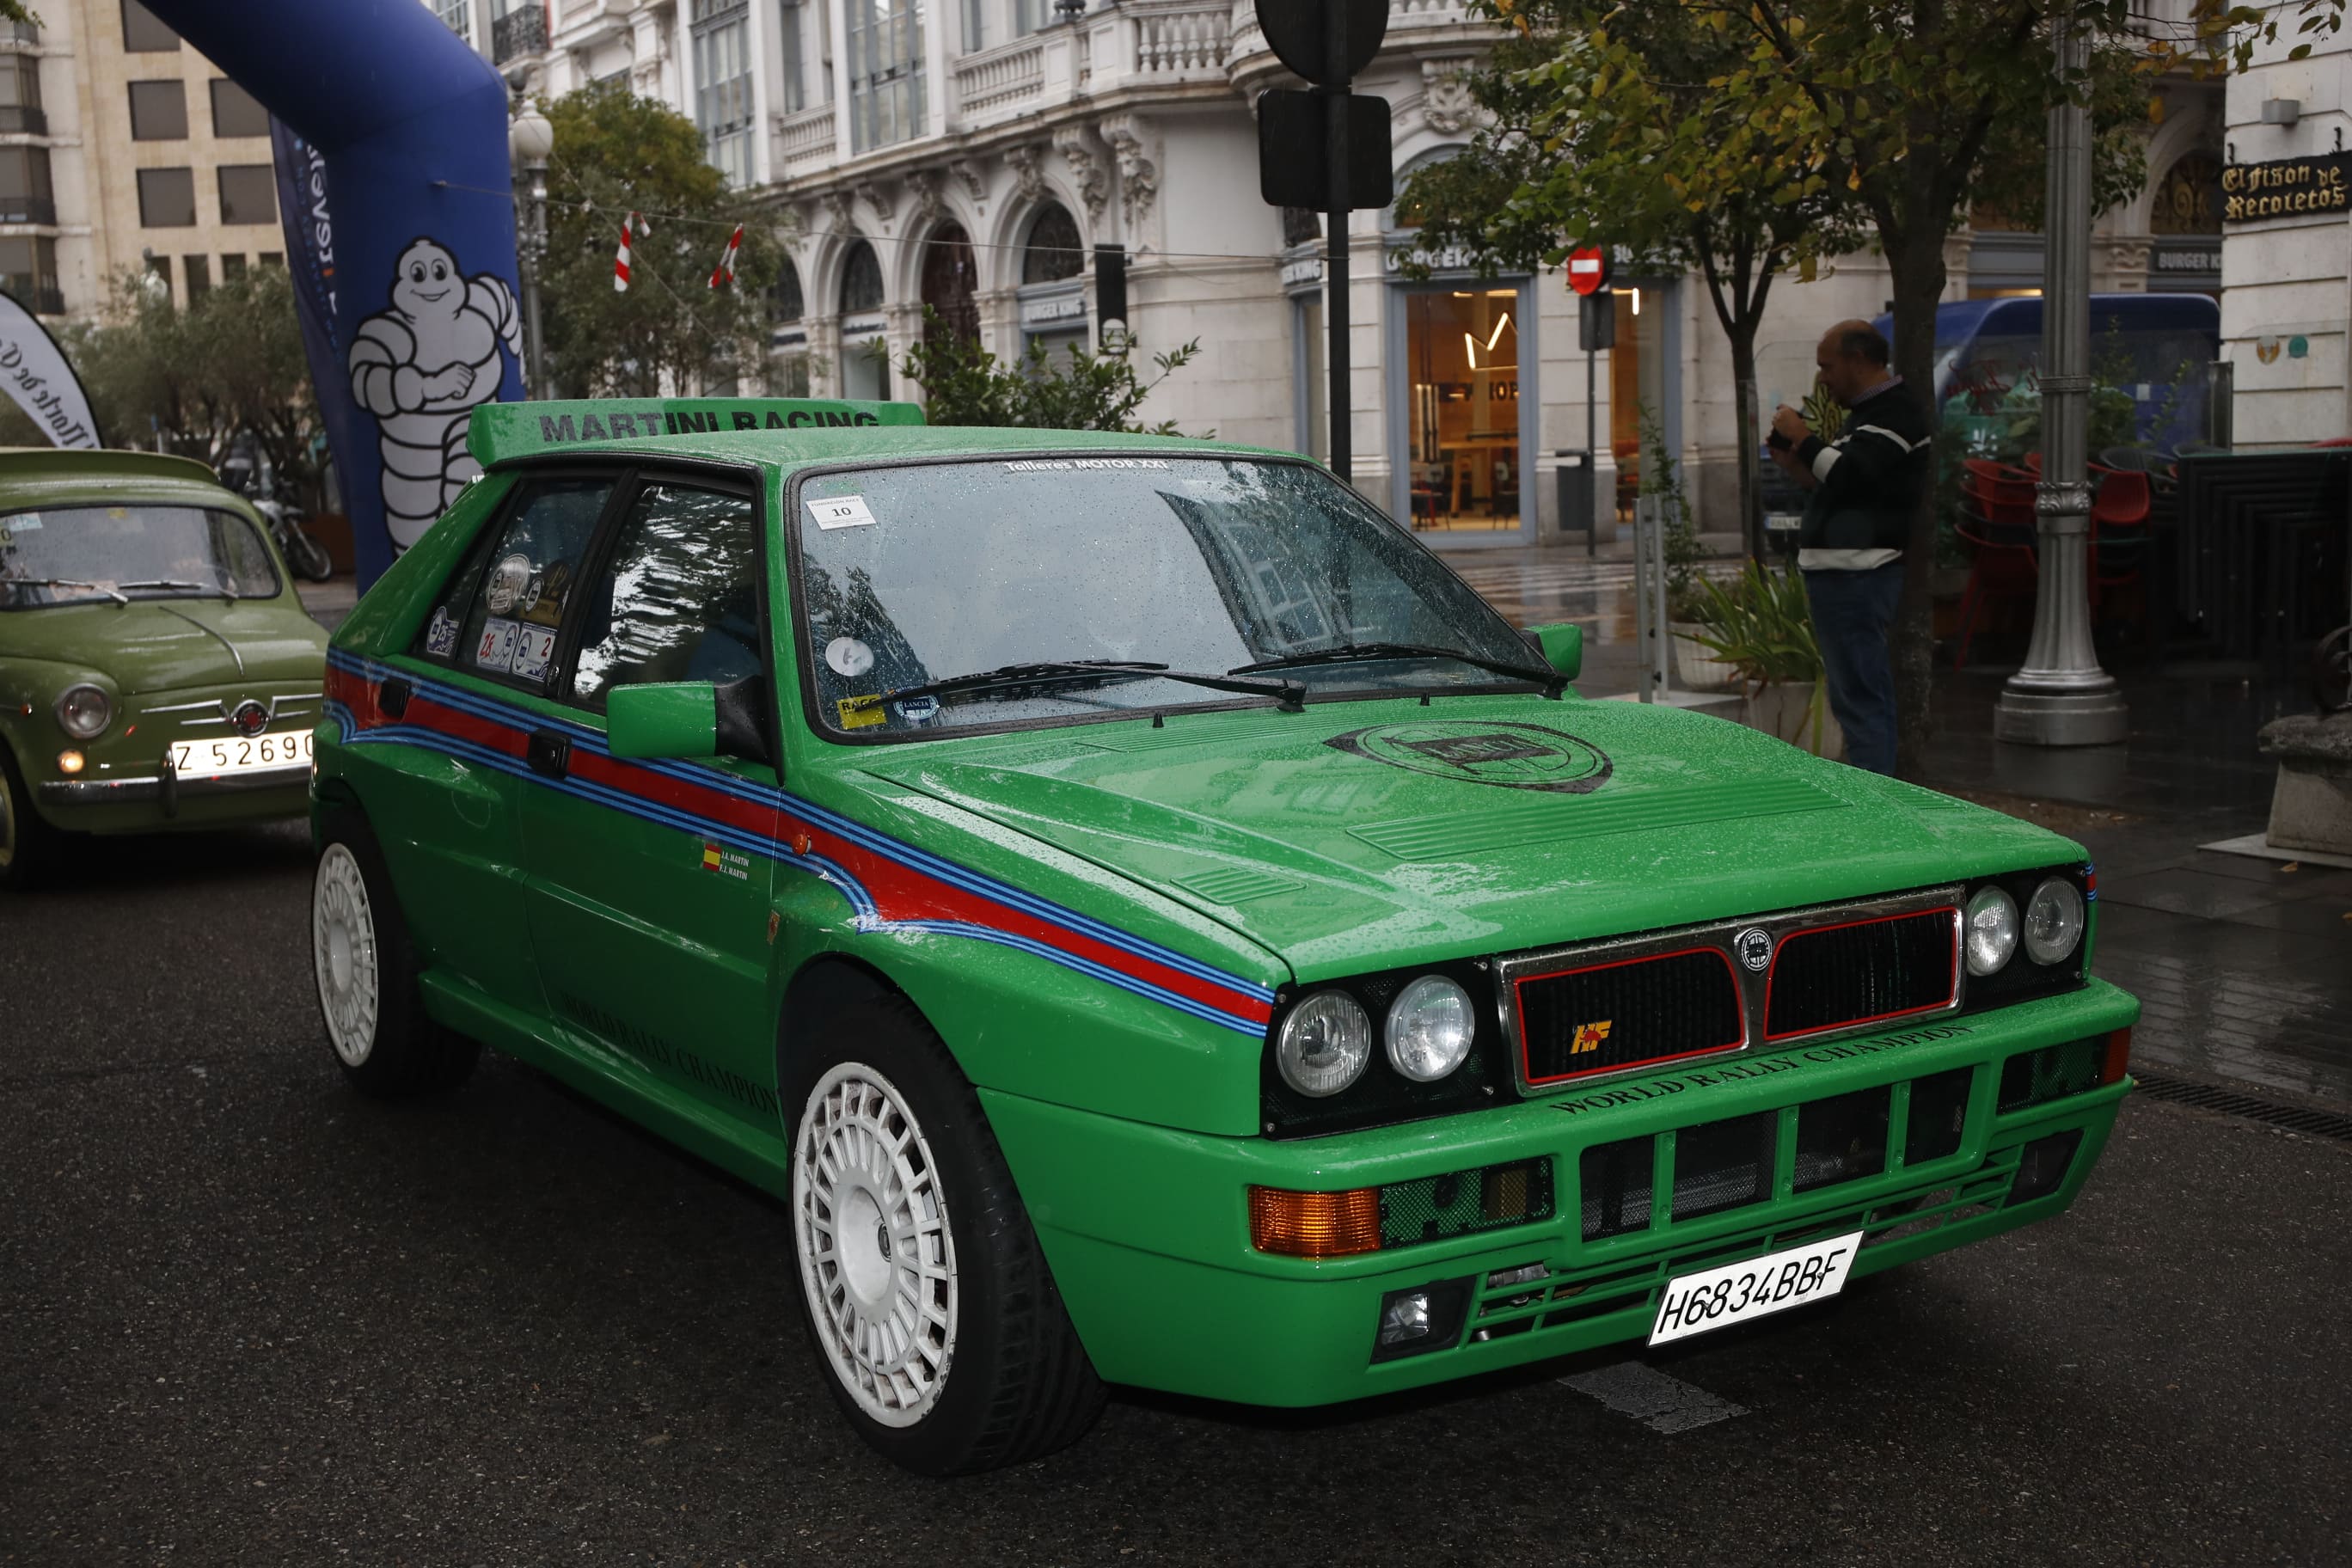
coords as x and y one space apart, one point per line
1785 711
1695 664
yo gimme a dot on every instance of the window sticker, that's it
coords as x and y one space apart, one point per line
1072 465
841 511
23 522
534 651
543 601
441 636
861 712
919 709
848 656
496 651
509 579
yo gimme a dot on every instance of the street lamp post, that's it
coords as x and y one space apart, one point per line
2061 696
530 139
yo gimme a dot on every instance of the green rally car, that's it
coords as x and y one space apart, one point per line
157 671
1152 923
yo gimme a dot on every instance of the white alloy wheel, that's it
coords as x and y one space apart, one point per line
876 1258
343 950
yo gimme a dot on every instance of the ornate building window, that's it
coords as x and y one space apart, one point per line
2189 201
885 72
722 86
1053 252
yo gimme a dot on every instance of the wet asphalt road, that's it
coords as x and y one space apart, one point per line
247 1317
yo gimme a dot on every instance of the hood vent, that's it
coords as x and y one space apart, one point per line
1236 885
1467 834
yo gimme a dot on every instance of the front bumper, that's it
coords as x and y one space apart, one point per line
130 803
1147 1230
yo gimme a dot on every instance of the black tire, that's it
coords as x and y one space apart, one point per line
307 555
999 1376
365 970
29 847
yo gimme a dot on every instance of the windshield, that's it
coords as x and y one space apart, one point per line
928 572
72 555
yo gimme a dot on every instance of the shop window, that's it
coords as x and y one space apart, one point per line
25 194
1314 401
249 193
949 280
1463 353
143 32
159 111
1637 385
1053 252
236 112
167 198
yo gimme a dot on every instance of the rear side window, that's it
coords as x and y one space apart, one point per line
679 599
501 615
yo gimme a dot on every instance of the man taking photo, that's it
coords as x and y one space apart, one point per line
1866 483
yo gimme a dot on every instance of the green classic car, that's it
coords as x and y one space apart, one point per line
156 669
1150 922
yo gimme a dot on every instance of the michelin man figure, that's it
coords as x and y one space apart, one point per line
420 367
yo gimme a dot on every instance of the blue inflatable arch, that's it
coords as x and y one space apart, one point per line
395 193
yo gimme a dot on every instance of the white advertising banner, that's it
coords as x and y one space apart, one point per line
34 372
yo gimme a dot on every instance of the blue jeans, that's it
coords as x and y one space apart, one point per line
1852 612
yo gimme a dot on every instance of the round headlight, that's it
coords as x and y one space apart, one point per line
2053 920
84 713
1430 1029
1324 1043
1991 930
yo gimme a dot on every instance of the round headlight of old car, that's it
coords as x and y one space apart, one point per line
2053 920
1430 1029
1324 1043
1991 929
84 713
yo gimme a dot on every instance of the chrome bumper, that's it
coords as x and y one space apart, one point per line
168 787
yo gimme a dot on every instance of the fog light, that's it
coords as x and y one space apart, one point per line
1426 1318
70 762
2044 1165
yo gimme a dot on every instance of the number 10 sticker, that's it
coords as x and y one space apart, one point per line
841 511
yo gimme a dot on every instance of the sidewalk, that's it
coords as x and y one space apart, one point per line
2244 966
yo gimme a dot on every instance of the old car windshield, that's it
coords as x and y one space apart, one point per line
924 573
80 554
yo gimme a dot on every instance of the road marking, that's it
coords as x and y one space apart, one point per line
1661 1404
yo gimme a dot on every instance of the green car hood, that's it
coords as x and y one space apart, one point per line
169 645
1359 835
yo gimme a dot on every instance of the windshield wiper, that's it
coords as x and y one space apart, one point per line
221 588
1551 680
1290 694
119 596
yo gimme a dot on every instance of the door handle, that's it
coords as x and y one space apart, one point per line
392 697
550 753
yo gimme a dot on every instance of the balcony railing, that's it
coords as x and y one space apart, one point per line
808 137
28 209
22 119
996 81
1186 38
20 32
522 31
41 298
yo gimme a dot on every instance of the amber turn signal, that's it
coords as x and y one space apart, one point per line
70 762
1315 1225
2118 1059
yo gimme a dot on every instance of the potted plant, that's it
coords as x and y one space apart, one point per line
1760 626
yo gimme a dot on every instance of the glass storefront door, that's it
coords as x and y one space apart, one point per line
1638 391
1461 383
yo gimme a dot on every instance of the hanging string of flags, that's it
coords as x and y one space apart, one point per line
621 257
723 275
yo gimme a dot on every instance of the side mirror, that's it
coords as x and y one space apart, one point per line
689 719
676 719
1563 646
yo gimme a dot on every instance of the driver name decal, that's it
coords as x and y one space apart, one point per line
1511 755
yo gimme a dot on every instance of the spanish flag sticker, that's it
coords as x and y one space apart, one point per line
710 857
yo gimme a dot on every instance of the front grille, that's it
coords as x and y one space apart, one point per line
1433 1208
1843 1138
2053 1072
1722 1165
1609 1017
1863 971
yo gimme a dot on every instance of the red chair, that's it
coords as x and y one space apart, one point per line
2120 508
1997 522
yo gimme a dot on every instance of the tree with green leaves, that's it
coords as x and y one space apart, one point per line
1897 114
228 365
617 153
963 383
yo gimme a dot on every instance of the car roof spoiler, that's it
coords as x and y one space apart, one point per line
503 430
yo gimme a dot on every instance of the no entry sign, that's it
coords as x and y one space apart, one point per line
1588 270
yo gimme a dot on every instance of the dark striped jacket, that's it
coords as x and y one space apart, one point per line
1868 481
